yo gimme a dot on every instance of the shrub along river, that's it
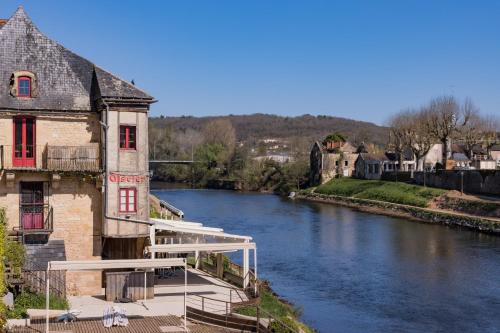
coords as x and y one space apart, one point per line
355 272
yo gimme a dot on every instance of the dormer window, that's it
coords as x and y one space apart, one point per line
24 86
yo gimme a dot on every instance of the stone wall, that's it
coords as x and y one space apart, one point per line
76 204
477 223
57 130
474 181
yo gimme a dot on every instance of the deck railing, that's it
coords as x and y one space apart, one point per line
73 158
222 313
84 158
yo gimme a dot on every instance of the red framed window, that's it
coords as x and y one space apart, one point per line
127 137
128 200
24 134
24 86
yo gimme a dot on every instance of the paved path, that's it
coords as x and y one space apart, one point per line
169 297
163 324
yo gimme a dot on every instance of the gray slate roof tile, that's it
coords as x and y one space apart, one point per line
66 81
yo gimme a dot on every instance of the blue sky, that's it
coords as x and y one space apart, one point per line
354 59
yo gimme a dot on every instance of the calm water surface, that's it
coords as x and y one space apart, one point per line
355 272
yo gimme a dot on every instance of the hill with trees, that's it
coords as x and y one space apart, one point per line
252 128
241 148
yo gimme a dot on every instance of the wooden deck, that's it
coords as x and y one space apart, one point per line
163 324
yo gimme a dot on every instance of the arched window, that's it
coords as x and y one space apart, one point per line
24 86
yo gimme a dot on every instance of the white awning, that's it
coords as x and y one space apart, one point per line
188 248
194 228
91 265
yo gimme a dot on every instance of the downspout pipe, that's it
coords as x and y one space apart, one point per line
105 127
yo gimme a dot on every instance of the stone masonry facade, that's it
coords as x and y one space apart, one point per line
70 175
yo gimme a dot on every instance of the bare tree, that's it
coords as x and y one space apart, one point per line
420 138
491 132
445 119
220 131
410 129
400 133
472 131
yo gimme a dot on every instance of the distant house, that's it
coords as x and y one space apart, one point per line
433 157
495 154
371 166
331 159
407 160
458 161
278 158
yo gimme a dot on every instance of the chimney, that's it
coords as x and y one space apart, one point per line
2 22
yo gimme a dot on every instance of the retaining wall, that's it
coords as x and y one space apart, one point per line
474 181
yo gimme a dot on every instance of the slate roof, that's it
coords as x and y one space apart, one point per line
460 157
495 148
407 155
65 80
373 157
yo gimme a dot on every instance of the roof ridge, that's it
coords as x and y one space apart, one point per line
125 81
73 90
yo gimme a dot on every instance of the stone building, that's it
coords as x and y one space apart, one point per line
74 176
495 154
331 159
371 166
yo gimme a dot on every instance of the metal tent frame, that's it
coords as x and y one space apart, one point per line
224 242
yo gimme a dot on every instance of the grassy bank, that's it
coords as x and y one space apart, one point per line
270 303
29 300
400 193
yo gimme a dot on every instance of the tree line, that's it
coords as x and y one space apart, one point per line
443 120
218 155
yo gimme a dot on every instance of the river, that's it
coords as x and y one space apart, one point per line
351 271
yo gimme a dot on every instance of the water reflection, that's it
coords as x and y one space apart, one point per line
357 272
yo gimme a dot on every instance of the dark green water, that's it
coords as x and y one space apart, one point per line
355 272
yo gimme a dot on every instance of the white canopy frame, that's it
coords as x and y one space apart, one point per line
224 243
95 265
213 247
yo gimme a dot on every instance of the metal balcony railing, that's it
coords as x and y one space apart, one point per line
85 158
36 218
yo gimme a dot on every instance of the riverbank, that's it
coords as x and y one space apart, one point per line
348 270
422 214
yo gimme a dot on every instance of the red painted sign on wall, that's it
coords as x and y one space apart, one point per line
118 178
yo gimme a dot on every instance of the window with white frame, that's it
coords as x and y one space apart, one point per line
128 200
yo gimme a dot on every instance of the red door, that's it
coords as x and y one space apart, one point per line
24 142
31 206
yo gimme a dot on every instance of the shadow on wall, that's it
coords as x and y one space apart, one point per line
474 181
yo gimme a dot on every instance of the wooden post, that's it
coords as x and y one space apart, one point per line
226 313
258 319
220 266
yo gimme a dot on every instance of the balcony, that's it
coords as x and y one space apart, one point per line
85 158
35 218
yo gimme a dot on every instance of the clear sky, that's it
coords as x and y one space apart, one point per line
354 59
